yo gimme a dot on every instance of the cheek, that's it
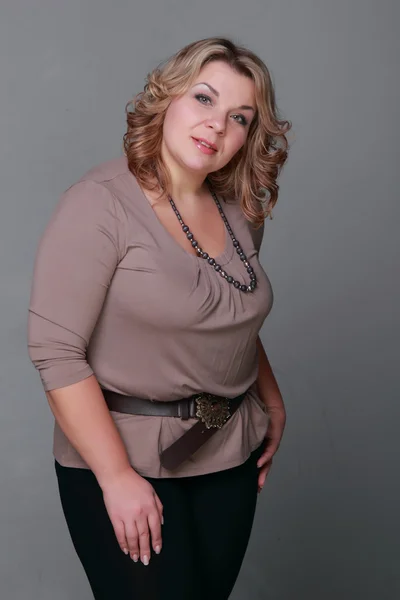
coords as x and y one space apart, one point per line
236 141
178 124
179 118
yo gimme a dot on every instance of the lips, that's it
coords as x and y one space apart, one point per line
210 144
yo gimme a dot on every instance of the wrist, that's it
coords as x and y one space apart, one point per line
108 478
277 410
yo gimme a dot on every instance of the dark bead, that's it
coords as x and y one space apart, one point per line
211 261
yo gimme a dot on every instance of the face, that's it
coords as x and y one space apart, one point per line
216 111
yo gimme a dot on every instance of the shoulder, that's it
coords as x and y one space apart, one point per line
90 206
239 218
108 171
97 190
109 182
257 235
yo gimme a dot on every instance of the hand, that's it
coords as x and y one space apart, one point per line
136 514
276 425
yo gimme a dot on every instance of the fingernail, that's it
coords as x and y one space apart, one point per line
125 551
145 560
135 558
162 520
158 549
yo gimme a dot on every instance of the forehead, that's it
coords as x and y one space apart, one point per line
227 82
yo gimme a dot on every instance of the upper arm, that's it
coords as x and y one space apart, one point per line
75 261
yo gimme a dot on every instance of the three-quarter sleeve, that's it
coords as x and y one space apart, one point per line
76 258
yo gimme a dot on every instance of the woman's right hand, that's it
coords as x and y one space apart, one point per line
136 514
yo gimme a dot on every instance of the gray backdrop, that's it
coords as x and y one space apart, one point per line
327 524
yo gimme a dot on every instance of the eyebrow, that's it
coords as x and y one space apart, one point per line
214 91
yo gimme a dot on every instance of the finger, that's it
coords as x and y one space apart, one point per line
119 531
263 460
144 539
160 508
132 539
262 476
155 530
266 456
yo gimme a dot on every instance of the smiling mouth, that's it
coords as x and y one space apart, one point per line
206 144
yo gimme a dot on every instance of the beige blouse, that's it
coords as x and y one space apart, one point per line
115 295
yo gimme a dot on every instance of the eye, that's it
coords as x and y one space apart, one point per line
206 100
243 120
201 97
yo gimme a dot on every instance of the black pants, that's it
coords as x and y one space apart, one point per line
207 525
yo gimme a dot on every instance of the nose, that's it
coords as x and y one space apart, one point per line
218 123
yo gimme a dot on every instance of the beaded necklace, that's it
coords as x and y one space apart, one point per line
211 261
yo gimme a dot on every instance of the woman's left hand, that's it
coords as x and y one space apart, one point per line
276 426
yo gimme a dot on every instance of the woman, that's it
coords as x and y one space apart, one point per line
167 413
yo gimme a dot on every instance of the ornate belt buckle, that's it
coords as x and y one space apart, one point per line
212 410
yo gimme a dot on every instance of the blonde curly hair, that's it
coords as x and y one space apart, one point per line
252 173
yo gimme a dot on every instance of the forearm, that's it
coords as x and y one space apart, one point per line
267 385
83 415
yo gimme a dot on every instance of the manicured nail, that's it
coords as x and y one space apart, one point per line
126 551
162 520
158 549
145 560
135 558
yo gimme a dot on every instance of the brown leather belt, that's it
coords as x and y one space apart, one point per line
211 411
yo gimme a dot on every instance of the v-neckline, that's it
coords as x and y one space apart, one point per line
222 259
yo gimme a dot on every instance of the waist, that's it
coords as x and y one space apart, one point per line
203 405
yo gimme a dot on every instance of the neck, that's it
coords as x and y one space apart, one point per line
186 186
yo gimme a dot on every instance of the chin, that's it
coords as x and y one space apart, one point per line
198 166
